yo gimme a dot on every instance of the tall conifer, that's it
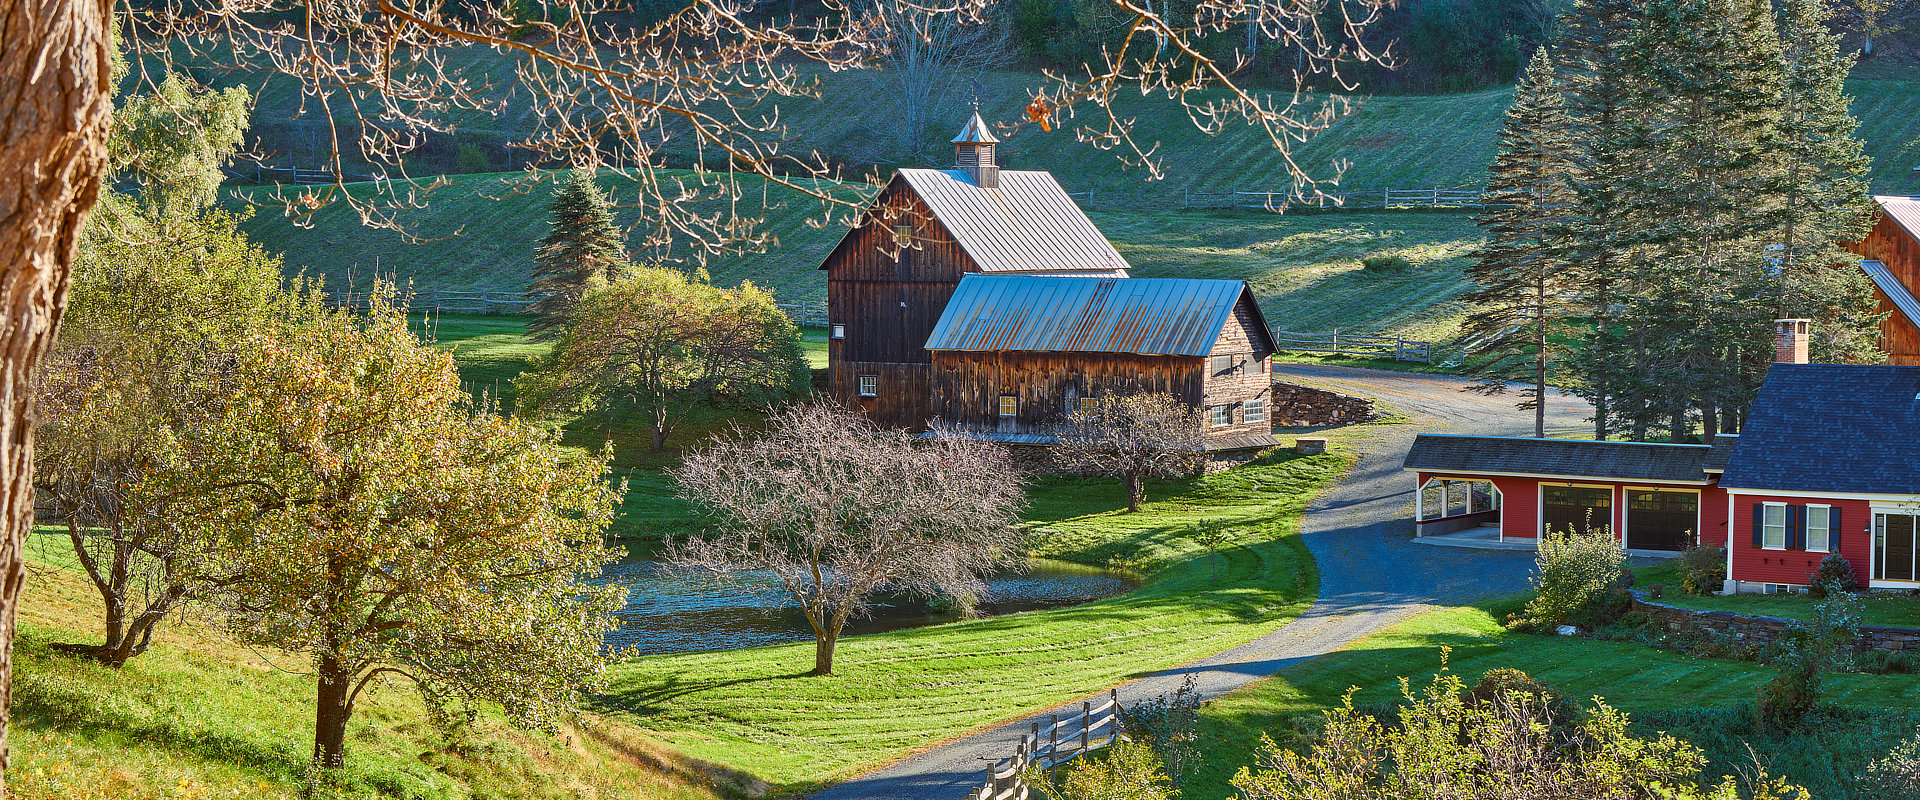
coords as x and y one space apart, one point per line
1522 299
582 246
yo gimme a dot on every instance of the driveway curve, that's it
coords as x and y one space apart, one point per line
1371 574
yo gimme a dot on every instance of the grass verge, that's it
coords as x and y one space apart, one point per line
201 716
1659 688
895 693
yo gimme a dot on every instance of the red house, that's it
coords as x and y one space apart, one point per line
1828 462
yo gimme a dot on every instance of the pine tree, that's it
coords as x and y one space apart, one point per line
582 247
1522 299
1823 175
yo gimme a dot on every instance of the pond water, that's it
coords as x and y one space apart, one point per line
673 613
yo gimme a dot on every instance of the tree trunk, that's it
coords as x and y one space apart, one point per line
659 440
824 640
53 97
330 715
1131 480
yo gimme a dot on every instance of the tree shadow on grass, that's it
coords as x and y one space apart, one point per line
643 697
726 781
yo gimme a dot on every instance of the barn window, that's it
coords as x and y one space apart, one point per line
839 331
1087 403
1220 416
1256 410
902 235
1009 405
869 385
1222 365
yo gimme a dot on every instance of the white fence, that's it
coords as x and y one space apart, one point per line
1393 347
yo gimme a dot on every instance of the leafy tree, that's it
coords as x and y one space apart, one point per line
380 525
1804 654
660 345
582 247
1132 437
1523 299
1575 573
836 510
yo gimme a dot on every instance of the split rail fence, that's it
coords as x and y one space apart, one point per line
1043 748
814 314
1393 347
1339 198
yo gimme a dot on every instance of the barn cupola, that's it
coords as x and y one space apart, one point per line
973 152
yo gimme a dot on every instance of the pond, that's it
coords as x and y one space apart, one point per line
673 613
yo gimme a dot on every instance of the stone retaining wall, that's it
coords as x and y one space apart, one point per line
1765 630
1295 406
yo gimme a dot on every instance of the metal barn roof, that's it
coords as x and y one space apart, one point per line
1896 291
1027 224
1149 316
1902 210
975 132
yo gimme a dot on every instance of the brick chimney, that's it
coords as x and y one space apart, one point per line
973 152
1790 337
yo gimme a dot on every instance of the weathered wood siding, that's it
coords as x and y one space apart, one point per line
967 386
888 298
1248 378
1890 244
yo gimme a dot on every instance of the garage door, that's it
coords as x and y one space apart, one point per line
1662 520
1576 508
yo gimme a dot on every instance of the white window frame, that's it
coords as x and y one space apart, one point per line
837 331
1087 404
1767 527
1009 406
1256 411
1826 525
869 385
1220 416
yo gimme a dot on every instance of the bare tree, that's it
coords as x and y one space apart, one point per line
837 510
1133 437
924 61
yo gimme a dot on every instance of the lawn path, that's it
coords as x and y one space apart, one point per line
1371 574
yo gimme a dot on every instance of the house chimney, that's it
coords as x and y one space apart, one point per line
973 152
1790 338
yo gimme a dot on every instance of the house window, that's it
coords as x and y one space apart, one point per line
1222 365
1773 526
1256 410
1009 405
1087 404
1818 519
839 331
1220 416
869 386
1259 365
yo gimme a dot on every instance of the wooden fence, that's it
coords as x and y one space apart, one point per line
1061 741
814 314
1393 347
1339 198
437 301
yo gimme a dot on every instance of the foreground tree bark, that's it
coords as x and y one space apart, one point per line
54 111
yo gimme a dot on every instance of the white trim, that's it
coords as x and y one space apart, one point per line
1873 548
1826 524
1730 578
1891 498
1559 479
1785 534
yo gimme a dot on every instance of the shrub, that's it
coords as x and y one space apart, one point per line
1577 579
1804 655
1833 576
1165 726
1883 662
1897 777
1703 569
1388 262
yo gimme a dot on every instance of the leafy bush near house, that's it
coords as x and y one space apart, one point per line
1703 570
1804 654
1834 575
1390 262
1884 662
1578 579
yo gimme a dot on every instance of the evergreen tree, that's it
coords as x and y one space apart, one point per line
1521 270
583 247
1823 189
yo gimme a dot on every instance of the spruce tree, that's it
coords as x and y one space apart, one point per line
582 247
1522 299
1823 190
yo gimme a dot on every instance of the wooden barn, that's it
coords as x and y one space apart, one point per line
1891 256
1013 355
890 278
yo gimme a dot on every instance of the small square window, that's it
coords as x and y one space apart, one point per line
902 235
1087 403
1256 411
1222 365
869 386
1009 405
838 331
1219 416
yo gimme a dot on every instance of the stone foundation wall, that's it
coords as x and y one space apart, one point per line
1295 406
1764 630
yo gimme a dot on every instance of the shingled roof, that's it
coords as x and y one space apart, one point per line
1558 458
1831 428
1147 316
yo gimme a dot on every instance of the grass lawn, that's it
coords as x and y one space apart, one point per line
1891 610
893 693
200 716
1647 683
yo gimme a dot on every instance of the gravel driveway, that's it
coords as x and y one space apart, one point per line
1371 575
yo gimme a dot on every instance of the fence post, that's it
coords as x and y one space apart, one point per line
1053 746
1398 347
1086 725
1436 197
1113 696
1336 341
